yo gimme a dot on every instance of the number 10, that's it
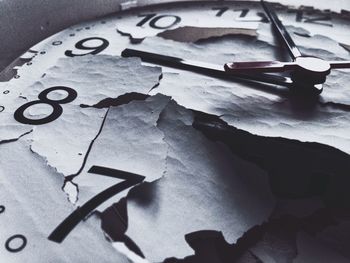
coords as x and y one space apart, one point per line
153 20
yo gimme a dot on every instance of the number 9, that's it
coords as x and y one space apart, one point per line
95 50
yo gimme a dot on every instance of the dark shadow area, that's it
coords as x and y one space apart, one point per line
121 100
295 169
114 222
210 246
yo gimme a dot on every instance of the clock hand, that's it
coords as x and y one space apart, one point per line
215 70
282 31
307 69
315 64
206 68
259 66
339 64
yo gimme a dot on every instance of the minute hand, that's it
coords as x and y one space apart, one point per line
281 30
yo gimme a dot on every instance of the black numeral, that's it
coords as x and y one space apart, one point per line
263 16
16 242
153 21
221 10
82 45
43 99
243 14
19 241
130 179
312 17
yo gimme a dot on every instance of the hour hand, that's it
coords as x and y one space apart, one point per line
259 66
278 66
309 69
206 68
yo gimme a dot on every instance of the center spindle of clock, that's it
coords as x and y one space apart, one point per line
311 70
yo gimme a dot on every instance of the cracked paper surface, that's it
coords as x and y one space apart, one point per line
56 143
194 34
94 78
259 109
336 24
33 199
213 191
189 24
204 187
129 141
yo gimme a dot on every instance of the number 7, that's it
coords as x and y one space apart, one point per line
67 225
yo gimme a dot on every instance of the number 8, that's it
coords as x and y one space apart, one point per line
43 99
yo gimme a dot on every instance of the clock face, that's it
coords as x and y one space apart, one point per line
105 158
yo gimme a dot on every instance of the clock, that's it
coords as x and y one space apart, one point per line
198 131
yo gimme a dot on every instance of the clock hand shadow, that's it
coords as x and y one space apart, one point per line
251 84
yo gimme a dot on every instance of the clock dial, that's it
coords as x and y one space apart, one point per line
169 162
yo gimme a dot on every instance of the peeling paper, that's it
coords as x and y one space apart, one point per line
264 110
274 250
10 129
290 239
222 193
208 246
194 34
295 169
56 141
201 198
216 50
42 57
188 33
319 45
228 24
11 70
50 50
316 22
33 200
129 141
131 255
